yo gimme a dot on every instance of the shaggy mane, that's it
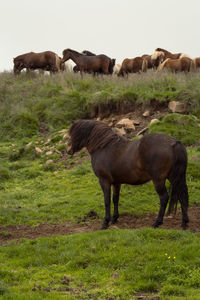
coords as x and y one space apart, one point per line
93 134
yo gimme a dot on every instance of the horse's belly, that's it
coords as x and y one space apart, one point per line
133 178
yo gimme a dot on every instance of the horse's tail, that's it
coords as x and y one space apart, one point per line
177 178
58 62
144 65
160 68
192 66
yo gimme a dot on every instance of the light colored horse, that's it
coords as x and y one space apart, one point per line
185 64
164 54
116 68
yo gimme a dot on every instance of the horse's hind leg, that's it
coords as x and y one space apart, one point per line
116 191
106 188
164 197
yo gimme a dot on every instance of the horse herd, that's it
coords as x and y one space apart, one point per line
88 62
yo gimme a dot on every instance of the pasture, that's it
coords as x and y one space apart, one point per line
59 205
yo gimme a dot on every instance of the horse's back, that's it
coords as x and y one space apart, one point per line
157 153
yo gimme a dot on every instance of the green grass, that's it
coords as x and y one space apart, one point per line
183 127
112 264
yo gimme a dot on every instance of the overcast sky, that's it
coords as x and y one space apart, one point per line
117 28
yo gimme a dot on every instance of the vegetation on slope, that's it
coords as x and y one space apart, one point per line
37 104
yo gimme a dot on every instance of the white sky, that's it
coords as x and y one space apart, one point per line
117 28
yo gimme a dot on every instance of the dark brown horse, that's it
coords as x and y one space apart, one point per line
47 61
115 161
89 63
133 65
86 52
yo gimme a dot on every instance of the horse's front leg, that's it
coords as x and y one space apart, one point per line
116 191
106 187
164 197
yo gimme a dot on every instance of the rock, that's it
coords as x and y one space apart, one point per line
127 123
29 144
49 152
146 113
153 121
120 131
49 161
177 107
38 150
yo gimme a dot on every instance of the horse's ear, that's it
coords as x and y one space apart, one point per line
73 121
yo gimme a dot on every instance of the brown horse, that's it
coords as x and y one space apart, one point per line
151 63
47 61
89 63
133 65
176 65
161 54
116 161
196 63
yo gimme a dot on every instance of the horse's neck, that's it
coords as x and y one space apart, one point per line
75 56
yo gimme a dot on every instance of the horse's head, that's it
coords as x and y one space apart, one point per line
66 55
157 58
78 136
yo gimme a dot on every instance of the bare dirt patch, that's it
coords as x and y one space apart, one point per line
125 222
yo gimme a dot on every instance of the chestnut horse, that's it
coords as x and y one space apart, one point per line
116 161
185 64
196 63
162 54
89 63
133 65
151 63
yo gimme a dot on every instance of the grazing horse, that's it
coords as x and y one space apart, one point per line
151 63
46 61
116 161
185 64
88 53
133 65
90 64
196 63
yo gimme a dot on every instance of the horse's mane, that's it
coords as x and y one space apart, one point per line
76 52
92 134
88 53
162 50
157 53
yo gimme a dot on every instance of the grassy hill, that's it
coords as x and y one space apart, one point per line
40 184
35 104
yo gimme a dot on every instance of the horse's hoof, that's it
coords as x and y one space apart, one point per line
114 221
157 224
104 226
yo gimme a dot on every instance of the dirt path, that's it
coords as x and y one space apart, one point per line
125 222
